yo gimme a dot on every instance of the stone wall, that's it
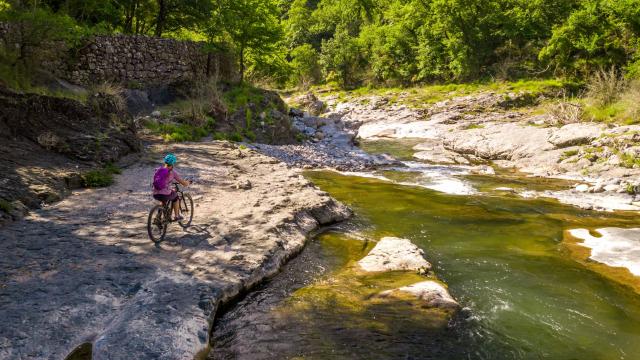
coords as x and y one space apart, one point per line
132 60
144 60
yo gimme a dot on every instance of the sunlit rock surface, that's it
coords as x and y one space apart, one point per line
392 254
432 293
615 247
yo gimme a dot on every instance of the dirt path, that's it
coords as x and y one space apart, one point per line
84 271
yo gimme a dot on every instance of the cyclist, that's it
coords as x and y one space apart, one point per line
163 178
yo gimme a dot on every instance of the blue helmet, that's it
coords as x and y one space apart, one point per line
170 159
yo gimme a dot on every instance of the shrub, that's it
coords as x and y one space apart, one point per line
97 178
174 132
100 177
630 161
631 102
565 112
5 206
604 87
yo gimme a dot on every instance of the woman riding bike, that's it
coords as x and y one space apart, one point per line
162 180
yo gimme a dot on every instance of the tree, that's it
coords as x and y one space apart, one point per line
304 63
599 34
174 15
252 25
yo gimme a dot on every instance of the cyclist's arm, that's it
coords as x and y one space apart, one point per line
180 180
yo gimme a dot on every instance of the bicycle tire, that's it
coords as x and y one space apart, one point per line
157 210
186 209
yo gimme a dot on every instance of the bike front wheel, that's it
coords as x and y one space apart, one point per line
157 223
186 209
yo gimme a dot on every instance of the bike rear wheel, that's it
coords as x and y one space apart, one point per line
157 223
186 209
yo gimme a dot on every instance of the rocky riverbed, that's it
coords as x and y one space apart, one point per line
83 271
490 128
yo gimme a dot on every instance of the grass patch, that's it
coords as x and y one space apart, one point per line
240 96
5 206
100 177
629 161
421 96
474 126
567 154
173 132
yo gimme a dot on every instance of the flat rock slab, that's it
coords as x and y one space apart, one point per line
615 247
84 271
431 293
395 254
576 134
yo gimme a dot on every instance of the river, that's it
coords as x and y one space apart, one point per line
526 292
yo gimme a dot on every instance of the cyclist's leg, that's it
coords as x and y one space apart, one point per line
176 205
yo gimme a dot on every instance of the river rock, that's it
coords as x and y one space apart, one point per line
430 292
499 141
582 188
395 254
575 134
615 247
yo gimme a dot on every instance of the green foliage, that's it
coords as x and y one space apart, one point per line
30 43
5 206
567 154
612 98
235 136
252 26
599 34
305 65
175 132
100 177
354 42
341 59
630 161
239 96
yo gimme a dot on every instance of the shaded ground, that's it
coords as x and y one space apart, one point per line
83 270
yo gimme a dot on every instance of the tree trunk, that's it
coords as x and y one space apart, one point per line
241 64
162 17
208 64
130 14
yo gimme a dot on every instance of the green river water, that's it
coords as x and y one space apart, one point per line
525 295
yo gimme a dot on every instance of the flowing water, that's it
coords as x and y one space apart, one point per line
525 292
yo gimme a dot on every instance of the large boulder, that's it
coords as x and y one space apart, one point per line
138 102
499 141
395 254
263 119
430 293
311 103
575 134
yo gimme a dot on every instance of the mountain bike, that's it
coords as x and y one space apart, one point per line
160 215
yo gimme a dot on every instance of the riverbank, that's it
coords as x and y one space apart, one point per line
493 251
504 130
83 271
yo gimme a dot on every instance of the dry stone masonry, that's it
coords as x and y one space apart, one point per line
144 60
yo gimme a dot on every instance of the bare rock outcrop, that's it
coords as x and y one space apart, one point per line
83 271
575 134
395 254
46 142
431 293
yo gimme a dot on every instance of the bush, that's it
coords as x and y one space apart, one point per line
565 112
612 98
37 36
97 178
631 102
100 177
174 132
5 206
604 87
